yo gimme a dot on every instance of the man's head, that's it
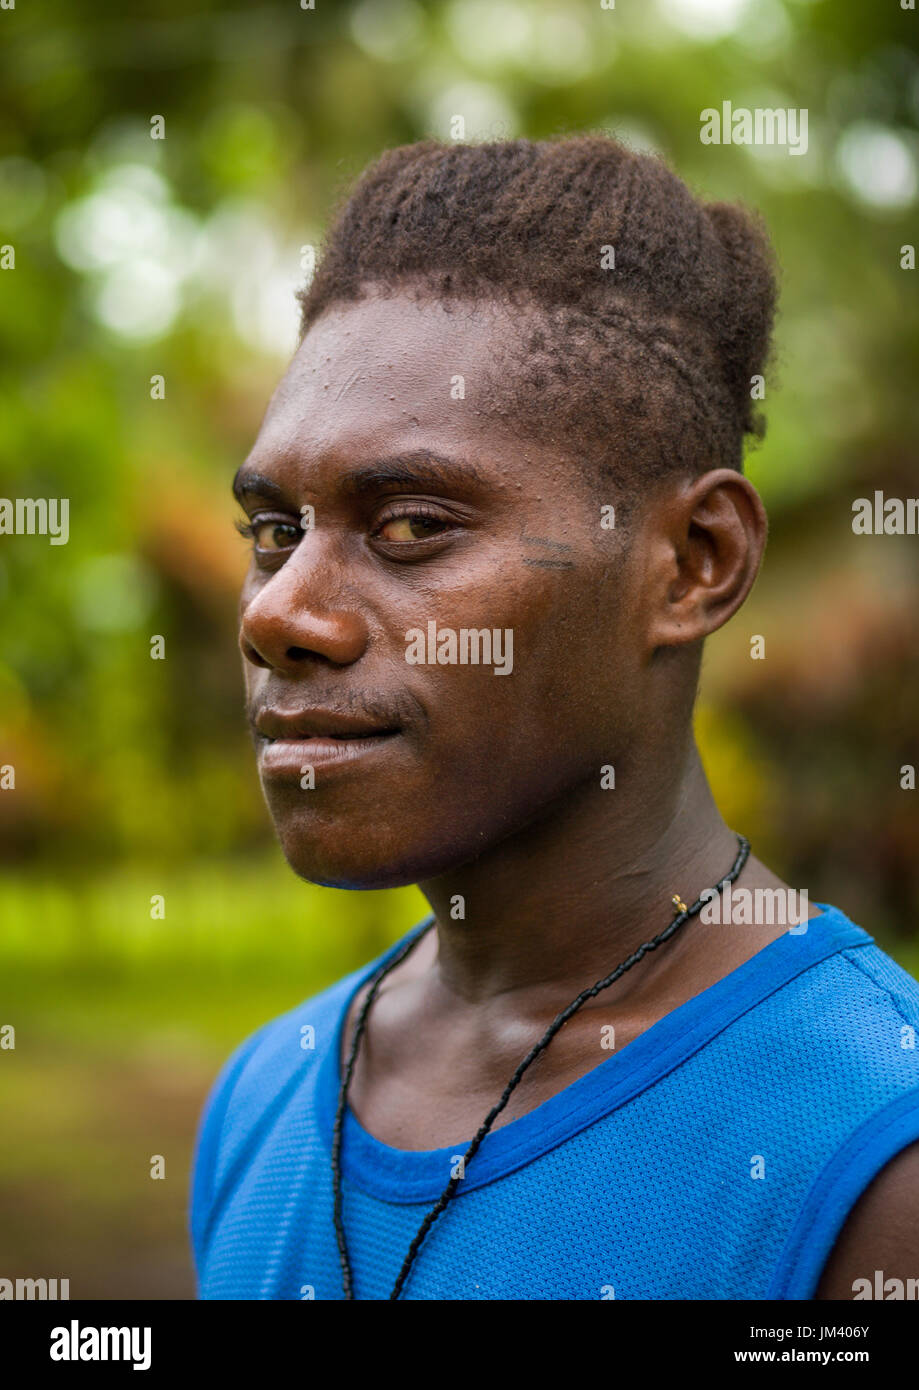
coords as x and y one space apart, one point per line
518 407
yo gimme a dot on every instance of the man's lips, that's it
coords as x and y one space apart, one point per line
289 740
305 724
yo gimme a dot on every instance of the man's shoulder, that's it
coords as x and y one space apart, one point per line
831 1042
888 979
874 1002
865 1203
855 992
846 1029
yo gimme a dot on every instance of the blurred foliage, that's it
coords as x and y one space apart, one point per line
178 257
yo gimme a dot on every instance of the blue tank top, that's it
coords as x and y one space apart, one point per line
715 1157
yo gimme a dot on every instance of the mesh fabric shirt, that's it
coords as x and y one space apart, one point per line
715 1157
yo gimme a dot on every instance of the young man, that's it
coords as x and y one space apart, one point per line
496 506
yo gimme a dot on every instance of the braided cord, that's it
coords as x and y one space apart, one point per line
558 1022
376 981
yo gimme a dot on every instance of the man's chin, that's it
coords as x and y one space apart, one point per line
360 876
339 857
336 855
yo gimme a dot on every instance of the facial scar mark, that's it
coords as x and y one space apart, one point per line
554 545
543 540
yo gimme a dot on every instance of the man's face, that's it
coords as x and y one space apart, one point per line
428 516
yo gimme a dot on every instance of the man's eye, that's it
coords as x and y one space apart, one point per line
416 527
272 535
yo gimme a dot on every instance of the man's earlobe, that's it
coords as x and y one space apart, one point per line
705 554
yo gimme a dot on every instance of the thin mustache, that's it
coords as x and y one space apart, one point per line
395 712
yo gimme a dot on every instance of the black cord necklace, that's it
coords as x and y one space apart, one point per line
679 920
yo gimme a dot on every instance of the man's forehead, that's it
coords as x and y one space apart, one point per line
392 364
381 341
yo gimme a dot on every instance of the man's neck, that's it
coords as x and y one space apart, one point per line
563 901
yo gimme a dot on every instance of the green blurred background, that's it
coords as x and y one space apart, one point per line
179 257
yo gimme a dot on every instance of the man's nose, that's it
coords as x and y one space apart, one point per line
302 614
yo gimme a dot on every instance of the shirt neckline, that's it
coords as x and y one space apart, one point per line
420 1175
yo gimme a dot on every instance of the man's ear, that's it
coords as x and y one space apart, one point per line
704 548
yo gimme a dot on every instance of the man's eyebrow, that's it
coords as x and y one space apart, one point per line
251 484
418 469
